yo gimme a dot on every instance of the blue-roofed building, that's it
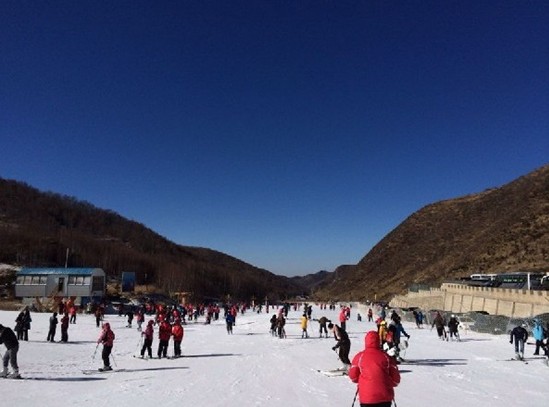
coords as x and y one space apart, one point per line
45 283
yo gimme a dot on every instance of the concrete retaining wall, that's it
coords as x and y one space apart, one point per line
462 298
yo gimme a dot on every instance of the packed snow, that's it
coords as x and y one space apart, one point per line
253 368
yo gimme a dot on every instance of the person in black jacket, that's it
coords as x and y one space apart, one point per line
343 343
519 335
8 338
53 327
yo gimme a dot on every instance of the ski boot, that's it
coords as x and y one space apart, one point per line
14 374
518 356
4 373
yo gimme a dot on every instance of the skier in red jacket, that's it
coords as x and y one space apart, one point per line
148 336
107 339
164 334
375 372
177 332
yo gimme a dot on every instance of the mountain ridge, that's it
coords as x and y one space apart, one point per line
496 230
45 229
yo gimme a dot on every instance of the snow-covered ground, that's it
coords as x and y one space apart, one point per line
252 368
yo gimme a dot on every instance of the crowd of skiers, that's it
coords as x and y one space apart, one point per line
383 347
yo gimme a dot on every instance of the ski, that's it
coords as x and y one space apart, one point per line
97 371
514 360
332 373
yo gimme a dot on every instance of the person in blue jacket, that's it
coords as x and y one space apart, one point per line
538 335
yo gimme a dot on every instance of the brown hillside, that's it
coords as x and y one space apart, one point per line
503 229
37 228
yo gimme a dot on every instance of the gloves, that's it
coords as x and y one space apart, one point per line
408 337
510 341
334 348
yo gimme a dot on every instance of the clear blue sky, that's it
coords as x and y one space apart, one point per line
293 135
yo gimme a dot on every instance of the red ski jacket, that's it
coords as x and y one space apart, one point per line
375 372
165 331
177 332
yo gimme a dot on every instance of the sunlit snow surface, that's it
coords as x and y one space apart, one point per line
252 368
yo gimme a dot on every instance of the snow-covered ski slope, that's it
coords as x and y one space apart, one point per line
252 368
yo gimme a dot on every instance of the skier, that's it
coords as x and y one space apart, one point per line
392 339
26 323
453 325
106 338
129 314
164 334
519 335
140 318
229 321
375 372
418 317
439 322
8 338
280 322
343 343
98 316
53 327
538 334
177 332
273 325
19 325
72 311
304 320
323 321
148 336
65 328
370 315
382 331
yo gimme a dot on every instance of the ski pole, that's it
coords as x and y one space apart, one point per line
394 401
113 360
356 393
139 345
93 356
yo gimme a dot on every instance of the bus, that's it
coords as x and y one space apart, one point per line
519 280
483 277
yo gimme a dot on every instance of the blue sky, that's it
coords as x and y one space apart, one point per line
293 135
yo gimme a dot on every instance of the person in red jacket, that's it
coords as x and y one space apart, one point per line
376 374
164 334
177 333
107 339
148 336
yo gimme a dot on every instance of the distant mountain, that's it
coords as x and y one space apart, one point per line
37 228
311 282
498 230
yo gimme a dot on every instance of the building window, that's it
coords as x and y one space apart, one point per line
79 280
32 280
